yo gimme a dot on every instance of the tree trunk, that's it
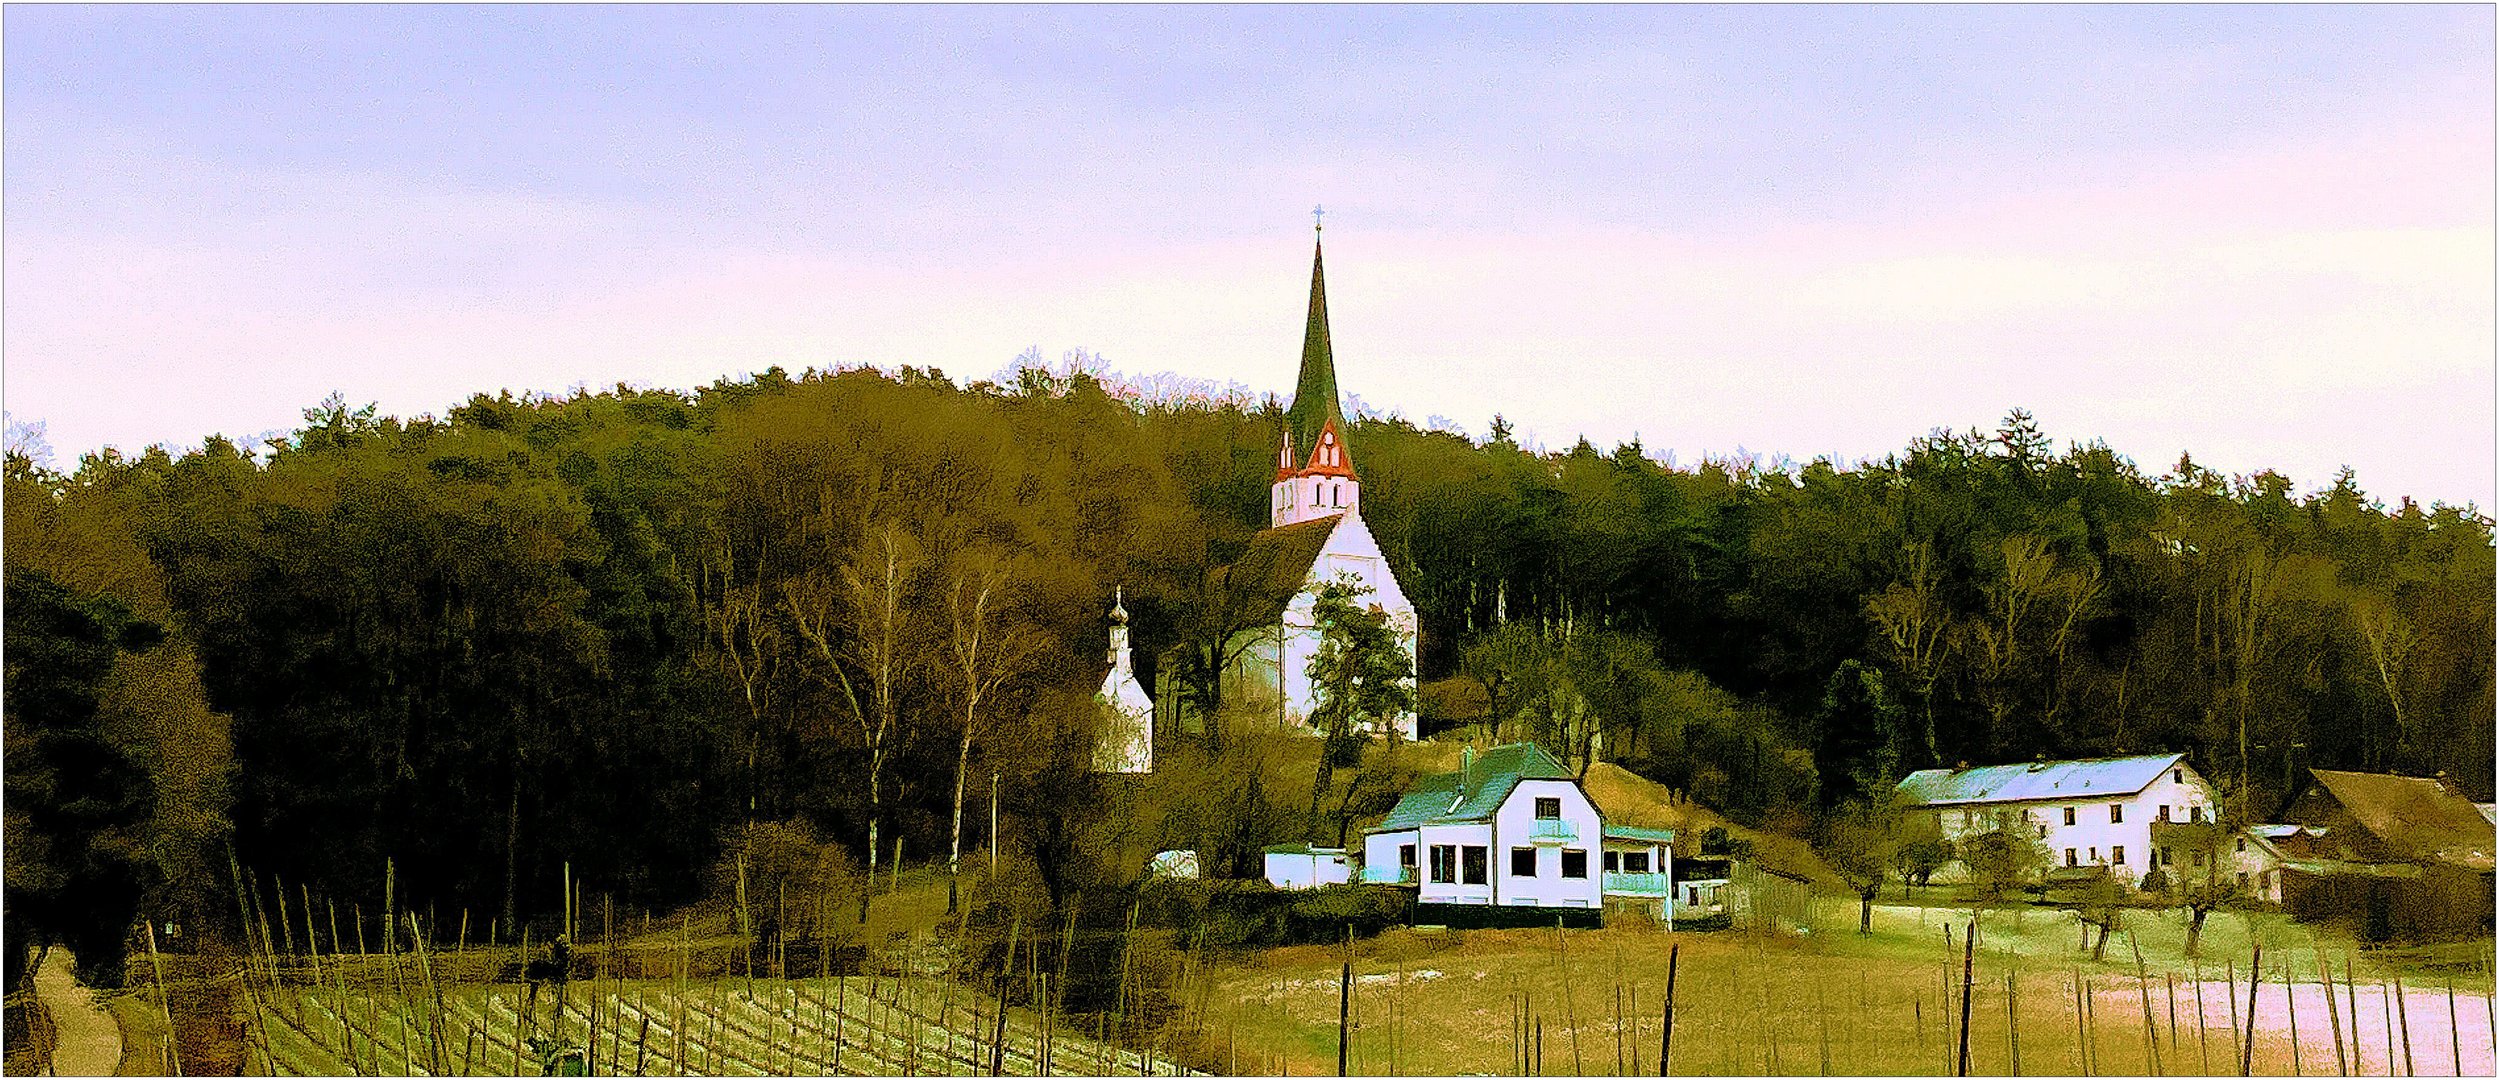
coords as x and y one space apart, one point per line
1865 914
2195 930
954 856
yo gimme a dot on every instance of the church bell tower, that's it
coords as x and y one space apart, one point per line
1314 471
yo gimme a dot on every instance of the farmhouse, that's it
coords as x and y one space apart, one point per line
1513 832
2410 852
1315 534
2088 813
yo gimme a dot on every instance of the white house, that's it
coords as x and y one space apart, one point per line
1510 828
2097 812
1639 870
1301 866
1315 535
1125 743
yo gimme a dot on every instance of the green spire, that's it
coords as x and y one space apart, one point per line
1314 397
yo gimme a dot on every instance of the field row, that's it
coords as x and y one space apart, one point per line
859 1026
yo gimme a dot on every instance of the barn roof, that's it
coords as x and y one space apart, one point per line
1448 798
1277 563
2417 817
2037 780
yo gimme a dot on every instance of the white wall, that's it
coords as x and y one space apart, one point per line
2093 838
1513 827
1306 869
1379 855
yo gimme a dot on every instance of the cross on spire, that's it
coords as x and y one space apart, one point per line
1317 219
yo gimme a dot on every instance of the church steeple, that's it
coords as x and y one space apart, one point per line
1314 396
1314 470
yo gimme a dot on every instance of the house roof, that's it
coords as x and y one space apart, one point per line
1302 849
2037 780
1635 832
1277 563
1443 799
2416 817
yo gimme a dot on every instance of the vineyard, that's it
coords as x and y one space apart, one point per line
842 1025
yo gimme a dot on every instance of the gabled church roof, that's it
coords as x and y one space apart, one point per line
1314 396
1271 571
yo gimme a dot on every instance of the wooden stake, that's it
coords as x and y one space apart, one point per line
1969 953
2247 1053
2455 1033
2403 1021
2012 1025
2203 1033
2143 991
2325 981
2290 1000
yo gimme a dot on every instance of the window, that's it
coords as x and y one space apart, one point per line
1444 863
1548 807
2242 879
1612 859
2117 813
2043 832
2164 816
1574 862
1635 862
2095 854
2242 848
2177 776
1476 862
2117 855
2069 857
2069 815
1522 862
1405 856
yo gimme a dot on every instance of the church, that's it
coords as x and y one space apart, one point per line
1315 534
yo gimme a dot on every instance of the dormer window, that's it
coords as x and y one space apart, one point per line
1548 808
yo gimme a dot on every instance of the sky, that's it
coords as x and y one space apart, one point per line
2263 235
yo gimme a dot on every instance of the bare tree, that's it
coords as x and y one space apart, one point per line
986 650
748 642
868 633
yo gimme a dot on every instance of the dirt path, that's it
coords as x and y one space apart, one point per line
90 1042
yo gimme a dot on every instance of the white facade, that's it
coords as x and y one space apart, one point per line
1547 828
1307 867
1125 743
2105 830
1275 662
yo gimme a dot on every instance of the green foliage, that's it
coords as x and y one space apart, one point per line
78 803
2001 859
539 630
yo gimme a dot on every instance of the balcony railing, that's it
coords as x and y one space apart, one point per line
1617 884
1553 831
1388 875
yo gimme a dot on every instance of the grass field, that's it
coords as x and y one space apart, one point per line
1470 1002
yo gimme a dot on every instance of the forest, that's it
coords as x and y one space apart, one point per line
600 636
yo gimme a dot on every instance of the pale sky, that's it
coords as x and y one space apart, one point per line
2260 234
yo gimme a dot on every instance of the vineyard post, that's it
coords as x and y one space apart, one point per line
2351 1003
1666 1036
2203 1035
1969 955
2230 989
463 948
2170 980
2403 1021
164 1004
2143 990
2082 1054
2247 1051
2455 1034
2386 1013
641 1043
286 928
1344 1005
1570 1007
2325 982
895 882
2012 1025
2290 1001
1006 982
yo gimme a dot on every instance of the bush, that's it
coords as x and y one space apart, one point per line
1256 915
2154 881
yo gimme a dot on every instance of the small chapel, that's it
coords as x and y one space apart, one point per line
1315 534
